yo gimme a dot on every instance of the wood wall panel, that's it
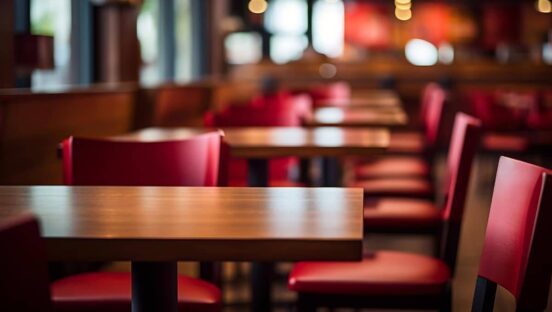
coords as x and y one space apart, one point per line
34 123
7 72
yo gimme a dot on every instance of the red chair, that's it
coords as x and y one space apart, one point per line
516 252
390 279
191 162
418 216
24 283
382 178
432 102
338 91
280 110
500 117
540 114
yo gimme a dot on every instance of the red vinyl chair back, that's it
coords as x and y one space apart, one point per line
190 162
463 145
340 90
24 283
433 115
540 114
516 252
425 98
487 106
238 116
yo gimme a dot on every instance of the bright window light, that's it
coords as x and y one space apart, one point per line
243 48
421 53
286 17
286 48
53 18
328 27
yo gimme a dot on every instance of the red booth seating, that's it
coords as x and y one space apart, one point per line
191 162
390 279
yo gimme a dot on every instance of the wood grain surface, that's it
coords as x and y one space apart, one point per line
251 142
192 223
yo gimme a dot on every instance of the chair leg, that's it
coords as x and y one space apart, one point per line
212 272
304 304
446 301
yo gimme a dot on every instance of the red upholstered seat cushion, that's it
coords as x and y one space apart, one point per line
497 142
382 273
406 142
111 292
399 186
393 167
403 213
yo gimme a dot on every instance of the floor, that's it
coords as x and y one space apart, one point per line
236 289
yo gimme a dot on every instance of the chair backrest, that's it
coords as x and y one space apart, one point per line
281 113
189 162
433 115
339 90
424 99
23 271
516 252
463 145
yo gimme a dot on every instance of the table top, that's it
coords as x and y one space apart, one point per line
343 117
192 223
266 142
361 102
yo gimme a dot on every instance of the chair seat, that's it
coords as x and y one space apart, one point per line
393 167
496 142
400 214
406 142
111 292
381 273
395 187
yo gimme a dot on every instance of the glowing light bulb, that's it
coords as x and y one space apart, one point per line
402 2
543 6
403 15
257 6
403 6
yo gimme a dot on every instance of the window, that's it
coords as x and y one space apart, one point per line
53 18
147 27
287 20
243 48
328 27
183 24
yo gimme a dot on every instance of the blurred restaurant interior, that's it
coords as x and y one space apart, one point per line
275 155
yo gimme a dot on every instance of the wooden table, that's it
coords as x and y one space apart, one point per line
370 98
343 117
156 226
260 144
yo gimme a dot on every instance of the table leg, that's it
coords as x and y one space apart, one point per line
154 286
331 172
261 273
304 171
257 172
